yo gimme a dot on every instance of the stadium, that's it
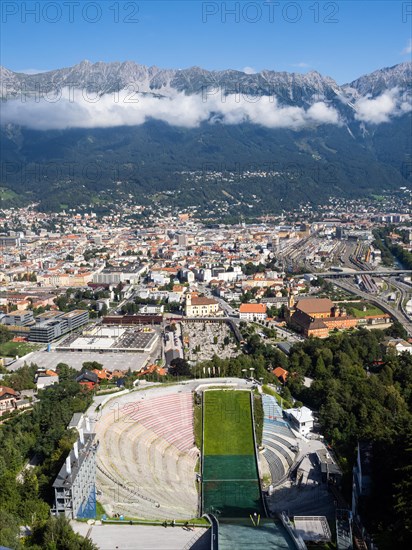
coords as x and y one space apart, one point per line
183 451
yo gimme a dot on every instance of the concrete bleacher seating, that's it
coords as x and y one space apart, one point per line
170 418
285 454
277 470
278 439
286 441
147 456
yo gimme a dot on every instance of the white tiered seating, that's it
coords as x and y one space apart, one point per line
147 456
277 438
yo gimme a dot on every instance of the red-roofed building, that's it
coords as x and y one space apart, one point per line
281 374
252 312
8 399
152 369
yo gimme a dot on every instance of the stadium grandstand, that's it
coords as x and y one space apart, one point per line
278 439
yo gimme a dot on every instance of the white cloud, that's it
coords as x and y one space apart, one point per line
301 65
408 48
321 113
74 109
33 71
249 70
382 108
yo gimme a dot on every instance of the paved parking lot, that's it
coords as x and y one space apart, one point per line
141 537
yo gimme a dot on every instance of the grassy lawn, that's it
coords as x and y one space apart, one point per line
11 349
258 414
197 522
100 511
282 402
230 477
197 425
355 309
228 423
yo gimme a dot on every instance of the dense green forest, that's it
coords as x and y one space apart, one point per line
26 494
363 393
159 163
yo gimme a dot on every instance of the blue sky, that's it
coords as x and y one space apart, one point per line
342 39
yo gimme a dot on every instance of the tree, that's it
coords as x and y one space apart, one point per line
65 372
91 365
9 530
180 367
397 330
57 534
403 493
5 334
320 368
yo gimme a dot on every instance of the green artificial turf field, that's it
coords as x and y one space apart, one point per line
230 477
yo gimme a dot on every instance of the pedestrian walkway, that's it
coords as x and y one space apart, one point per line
144 537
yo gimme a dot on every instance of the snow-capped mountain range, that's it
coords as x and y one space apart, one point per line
291 88
181 136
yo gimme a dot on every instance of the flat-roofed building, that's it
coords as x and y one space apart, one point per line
330 470
18 318
76 318
52 324
75 485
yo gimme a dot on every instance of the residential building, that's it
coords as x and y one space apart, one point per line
45 378
252 312
281 374
75 485
88 379
201 306
301 419
8 399
400 345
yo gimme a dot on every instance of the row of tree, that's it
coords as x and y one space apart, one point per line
26 494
